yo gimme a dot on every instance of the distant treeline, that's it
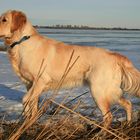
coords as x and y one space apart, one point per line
83 27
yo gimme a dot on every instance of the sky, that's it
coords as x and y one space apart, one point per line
95 13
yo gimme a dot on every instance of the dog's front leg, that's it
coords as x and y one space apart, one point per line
26 106
28 85
30 100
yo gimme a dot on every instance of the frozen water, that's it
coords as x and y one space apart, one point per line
124 42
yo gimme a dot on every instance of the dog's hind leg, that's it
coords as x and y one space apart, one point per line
104 106
127 106
104 96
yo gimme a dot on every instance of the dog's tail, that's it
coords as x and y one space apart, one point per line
130 77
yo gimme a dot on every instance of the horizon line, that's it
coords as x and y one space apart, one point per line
73 26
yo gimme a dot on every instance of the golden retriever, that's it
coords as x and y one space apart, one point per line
108 74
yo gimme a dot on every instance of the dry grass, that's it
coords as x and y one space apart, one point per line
72 127
66 123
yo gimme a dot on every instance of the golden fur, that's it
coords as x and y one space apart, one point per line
108 74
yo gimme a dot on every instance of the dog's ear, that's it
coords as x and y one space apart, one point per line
18 20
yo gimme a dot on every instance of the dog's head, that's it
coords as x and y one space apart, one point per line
10 22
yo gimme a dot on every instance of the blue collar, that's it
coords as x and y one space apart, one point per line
24 38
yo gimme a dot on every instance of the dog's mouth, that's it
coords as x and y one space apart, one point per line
2 36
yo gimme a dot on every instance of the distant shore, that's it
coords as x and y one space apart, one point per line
84 27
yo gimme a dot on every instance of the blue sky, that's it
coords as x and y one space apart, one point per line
98 13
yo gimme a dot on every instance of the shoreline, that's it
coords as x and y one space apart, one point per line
85 28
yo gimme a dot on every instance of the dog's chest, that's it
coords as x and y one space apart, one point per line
13 56
19 67
25 73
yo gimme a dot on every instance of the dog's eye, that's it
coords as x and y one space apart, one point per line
4 20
